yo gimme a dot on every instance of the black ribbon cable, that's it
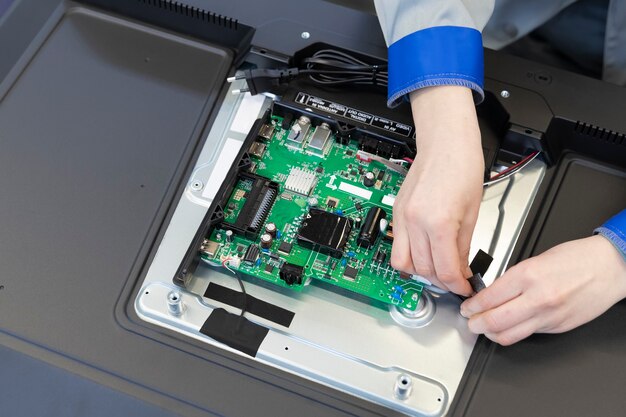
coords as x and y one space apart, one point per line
252 304
235 331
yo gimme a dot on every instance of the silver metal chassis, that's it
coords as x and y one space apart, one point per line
335 340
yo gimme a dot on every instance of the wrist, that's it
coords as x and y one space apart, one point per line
445 117
612 263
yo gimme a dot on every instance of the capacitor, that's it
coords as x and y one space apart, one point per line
369 179
371 227
266 240
270 228
357 222
312 201
229 235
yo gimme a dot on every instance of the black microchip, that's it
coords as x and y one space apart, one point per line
285 247
350 272
381 175
269 268
319 170
358 205
349 152
324 231
331 202
353 172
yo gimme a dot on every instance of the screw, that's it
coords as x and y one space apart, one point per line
305 35
174 303
197 185
403 387
505 94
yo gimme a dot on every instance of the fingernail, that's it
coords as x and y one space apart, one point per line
464 312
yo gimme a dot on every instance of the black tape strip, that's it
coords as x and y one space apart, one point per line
479 266
235 331
253 305
480 263
477 283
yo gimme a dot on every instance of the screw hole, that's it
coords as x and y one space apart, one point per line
286 347
439 399
141 185
404 381
1 287
263 51
528 131
147 292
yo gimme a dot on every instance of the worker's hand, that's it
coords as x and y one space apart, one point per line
436 210
554 292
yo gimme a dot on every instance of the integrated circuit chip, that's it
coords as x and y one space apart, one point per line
285 247
350 273
332 202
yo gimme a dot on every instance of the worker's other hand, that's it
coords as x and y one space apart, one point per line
554 292
436 210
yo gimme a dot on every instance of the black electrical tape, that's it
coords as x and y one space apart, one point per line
479 267
235 331
253 305
480 263
477 283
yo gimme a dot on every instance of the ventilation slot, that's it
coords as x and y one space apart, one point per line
597 132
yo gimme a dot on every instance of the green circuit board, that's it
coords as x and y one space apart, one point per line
314 186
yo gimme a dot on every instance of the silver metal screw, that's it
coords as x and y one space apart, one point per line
404 386
175 303
505 94
305 35
197 185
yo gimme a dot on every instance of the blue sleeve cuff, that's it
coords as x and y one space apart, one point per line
441 55
615 231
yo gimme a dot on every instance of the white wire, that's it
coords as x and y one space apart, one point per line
513 172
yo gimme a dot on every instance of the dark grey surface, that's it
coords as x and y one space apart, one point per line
97 125
36 388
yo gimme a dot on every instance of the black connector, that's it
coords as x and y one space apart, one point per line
261 80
